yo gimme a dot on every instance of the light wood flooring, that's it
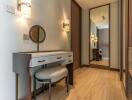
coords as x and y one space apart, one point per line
101 62
90 84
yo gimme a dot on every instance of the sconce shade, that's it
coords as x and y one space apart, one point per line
92 36
25 8
66 25
95 39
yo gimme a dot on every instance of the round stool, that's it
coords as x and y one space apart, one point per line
51 75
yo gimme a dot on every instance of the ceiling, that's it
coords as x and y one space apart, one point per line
100 17
93 3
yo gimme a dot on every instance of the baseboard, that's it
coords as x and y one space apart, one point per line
115 69
85 65
96 66
99 67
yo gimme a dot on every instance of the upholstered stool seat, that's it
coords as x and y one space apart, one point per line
50 75
54 74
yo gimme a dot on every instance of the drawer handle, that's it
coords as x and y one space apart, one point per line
59 57
69 55
70 60
41 61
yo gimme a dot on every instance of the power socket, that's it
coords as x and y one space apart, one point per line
10 9
25 37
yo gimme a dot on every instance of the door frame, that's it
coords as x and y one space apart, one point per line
80 29
126 48
109 32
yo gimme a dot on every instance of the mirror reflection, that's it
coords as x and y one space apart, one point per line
37 34
99 28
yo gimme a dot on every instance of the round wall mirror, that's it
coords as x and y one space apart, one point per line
37 34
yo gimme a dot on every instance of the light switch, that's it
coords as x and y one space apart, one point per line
25 37
10 9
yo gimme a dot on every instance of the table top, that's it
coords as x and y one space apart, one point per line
39 54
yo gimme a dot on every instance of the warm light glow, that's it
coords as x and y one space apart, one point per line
66 25
25 11
92 36
95 39
25 8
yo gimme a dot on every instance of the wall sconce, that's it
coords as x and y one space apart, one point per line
95 39
66 25
24 6
92 37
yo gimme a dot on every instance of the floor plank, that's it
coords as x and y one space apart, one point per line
101 62
90 84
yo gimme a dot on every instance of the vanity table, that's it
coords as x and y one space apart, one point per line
22 62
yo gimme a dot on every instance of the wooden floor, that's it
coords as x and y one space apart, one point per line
101 62
90 84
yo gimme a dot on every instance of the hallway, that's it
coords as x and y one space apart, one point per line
90 84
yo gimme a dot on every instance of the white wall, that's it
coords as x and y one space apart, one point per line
49 14
114 37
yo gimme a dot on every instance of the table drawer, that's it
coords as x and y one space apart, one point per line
69 56
45 60
38 61
67 62
56 58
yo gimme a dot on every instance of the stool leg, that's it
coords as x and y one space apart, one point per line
43 86
67 83
34 89
50 90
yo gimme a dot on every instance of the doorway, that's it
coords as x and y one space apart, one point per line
99 47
